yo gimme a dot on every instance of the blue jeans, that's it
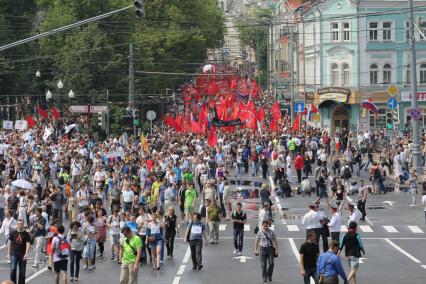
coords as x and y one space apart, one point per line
89 249
1 215
238 239
16 261
309 272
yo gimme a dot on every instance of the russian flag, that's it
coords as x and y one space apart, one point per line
368 104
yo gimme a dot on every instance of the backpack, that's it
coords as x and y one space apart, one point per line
63 247
346 173
377 173
115 194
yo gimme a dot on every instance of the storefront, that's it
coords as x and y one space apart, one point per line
405 108
339 109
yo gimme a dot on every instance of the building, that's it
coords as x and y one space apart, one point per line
350 51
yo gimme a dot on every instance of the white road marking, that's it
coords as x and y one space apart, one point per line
293 228
296 238
390 229
181 269
424 266
398 248
176 280
415 229
222 227
246 227
366 228
343 228
187 255
296 253
361 259
3 246
41 271
277 201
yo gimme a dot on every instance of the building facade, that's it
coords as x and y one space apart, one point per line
350 51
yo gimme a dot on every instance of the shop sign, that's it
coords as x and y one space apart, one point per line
336 94
406 96
316 117
309 96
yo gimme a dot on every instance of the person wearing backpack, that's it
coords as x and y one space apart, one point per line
61 248
115 195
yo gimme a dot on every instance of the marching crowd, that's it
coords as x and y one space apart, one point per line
138 193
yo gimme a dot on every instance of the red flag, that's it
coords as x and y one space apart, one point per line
260 114
31 122
276 111
195 127
314 109
42 112
212 140
296 124
55 113
273 125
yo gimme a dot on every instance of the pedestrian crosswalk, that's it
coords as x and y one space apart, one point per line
294 228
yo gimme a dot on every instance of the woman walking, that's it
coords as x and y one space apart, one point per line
101 232
170 230
154 235
75 235
90 233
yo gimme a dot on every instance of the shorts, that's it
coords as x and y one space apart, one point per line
189 210
89 249
60 265
155 244
115 239
353 262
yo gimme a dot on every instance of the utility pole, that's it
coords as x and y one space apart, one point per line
417 159
290 31
132 85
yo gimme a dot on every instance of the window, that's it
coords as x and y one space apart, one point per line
334 75
346 32
407 74
379 120
373 30
335 31
387 74
423 73
407 30
373 74
422 27
346 75
387 31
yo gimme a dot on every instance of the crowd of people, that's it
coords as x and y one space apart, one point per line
139 192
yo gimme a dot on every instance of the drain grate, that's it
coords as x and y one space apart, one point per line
374 207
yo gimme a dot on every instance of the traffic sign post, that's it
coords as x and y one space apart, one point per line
299 106
392 103
392 90
151 115
415 113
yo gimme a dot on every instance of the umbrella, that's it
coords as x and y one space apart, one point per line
21 183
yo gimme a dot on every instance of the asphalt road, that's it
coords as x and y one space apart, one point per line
394 237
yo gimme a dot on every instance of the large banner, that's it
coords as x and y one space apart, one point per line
7 124
21 124
224 123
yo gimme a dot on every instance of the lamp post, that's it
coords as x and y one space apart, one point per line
38 75
60 86
49 95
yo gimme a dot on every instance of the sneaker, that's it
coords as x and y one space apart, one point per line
112 258
169 257
8 261
412 205
200 267
72 279
240 253
75 279
235 251
91 267
85 267
35 265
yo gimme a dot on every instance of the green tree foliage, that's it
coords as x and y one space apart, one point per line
254 30
174 36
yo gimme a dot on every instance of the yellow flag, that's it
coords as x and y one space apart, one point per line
144 143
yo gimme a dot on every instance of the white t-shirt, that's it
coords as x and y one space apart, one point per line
424 202
128 196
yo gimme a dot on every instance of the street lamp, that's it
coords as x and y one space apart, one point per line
71 94
60 86
49 95
38 74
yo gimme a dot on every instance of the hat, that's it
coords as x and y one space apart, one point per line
126 228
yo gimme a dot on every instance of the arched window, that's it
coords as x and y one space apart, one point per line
346 75
387 74
373 74
334 75
423 73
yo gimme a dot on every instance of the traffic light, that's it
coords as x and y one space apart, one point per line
100 121
128 123
395 116
136 120
139 8
389 120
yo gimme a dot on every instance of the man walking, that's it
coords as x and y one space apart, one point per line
130 255
38 230
267 246
213 219
194 235
61 248
335 223
329 266
238 219
18 247
362 199
309 252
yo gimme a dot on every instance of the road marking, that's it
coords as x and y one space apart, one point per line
343 228
222 227
361 259
415 229
187 255
246 227
3 246
366 229
242 258
390 229
176 280
424 266
296 253
283 221
181 269
296 238
293 228
277 201
35 275
403 251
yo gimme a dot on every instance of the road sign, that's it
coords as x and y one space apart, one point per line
299 106
151 115
392 90
392 103
84 109
281 86
415 113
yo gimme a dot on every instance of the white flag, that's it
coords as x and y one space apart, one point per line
46 134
